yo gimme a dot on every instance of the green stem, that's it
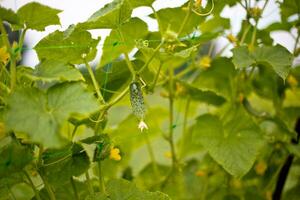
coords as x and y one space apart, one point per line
74 131
245 34
128 62
88 180
186 18
101 180
47 185
185 134
95 83
36 192
171 116
74 188
11 192
158 20
151 58
117 99
156 78
4 35
13 73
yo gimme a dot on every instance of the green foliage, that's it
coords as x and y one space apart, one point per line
37 16
41 115
233 142
277 57
220 124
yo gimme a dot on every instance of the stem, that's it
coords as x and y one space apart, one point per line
128 62
74 188
95 83
156 78
283 174
245 34
74 131
184 132
118 98
186 18
151 58
152 157
88 180
101 181
47 185
36 192
158 20
13 73
171 116
4 34
11 192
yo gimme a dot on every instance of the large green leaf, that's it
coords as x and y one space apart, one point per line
14 156
233 141
172 18
216 24
72 159
217 78
196 94
9 16
40 115
122 189
69 46
289 8
37 16
138 3
123 39
52 70
111 15
277 57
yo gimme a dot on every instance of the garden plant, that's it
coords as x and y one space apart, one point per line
160 114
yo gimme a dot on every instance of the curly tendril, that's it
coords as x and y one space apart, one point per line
205 14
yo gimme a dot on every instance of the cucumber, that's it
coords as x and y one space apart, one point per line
137 100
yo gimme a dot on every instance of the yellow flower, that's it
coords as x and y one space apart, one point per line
200 173
115 154
260 168
168 154
198 3
4 56
205 62
292 81
231 38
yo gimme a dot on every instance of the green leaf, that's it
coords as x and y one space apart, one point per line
40 115
233 142
116 44
111 15
202 95
72 158
67 47
217 78
53 70
9 15
242 57
172 18
37 16
122 189
138 3
14 156
216 24
277 57
289 8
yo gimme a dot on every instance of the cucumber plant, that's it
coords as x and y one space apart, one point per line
222 123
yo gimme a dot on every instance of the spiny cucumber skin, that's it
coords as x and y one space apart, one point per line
137 100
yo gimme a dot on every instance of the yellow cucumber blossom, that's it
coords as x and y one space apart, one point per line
115 154
4 55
